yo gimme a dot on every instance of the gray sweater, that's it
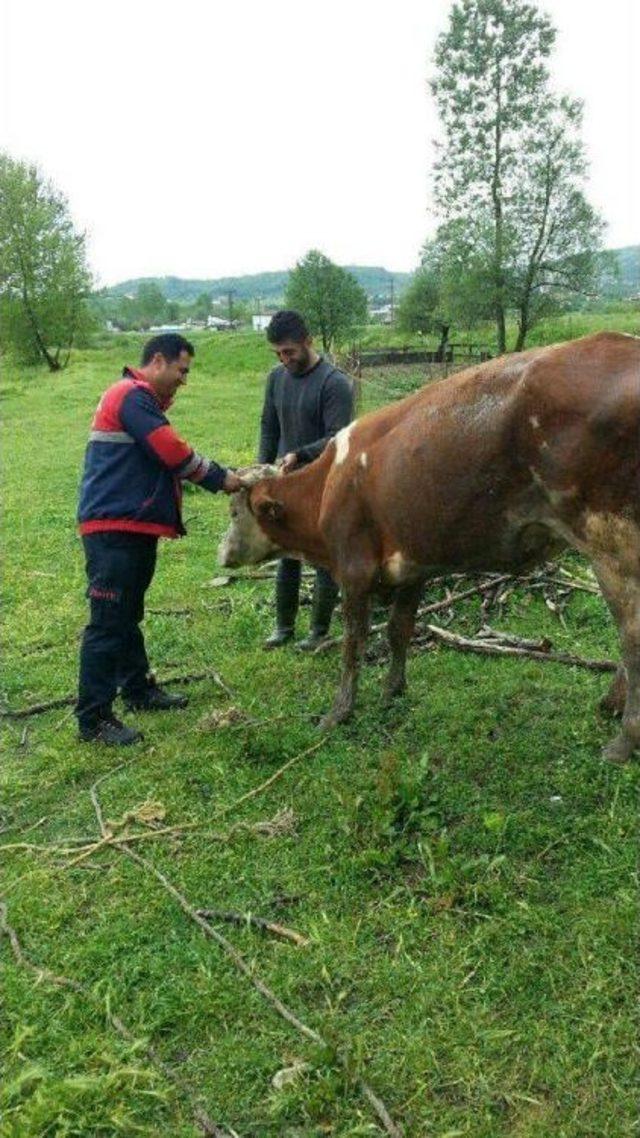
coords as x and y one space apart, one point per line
302 412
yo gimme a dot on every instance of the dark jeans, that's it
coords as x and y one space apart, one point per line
120 568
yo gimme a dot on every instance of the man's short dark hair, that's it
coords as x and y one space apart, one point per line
287 325
169 345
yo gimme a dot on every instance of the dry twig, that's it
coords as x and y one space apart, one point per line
206 1124
491 648
241 964
237 958
64 701
269 782
256 922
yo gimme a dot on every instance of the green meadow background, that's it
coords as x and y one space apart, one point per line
462 865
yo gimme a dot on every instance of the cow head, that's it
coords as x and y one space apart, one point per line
245 542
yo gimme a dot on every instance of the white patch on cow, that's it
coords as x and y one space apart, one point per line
535 422
363 460
399 570
394 565
342 443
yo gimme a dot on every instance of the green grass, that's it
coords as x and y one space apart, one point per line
620 316
463 864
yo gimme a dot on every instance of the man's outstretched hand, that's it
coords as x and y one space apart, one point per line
289 462
232 483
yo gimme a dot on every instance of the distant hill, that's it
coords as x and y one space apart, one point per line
269 288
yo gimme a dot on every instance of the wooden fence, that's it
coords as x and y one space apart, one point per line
456 354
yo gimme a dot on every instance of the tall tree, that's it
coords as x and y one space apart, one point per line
330 299
44 279
201 307
420 308
150 304
556 233
511 167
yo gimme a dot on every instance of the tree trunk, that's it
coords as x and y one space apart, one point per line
496 194
523 328
444 340
52 363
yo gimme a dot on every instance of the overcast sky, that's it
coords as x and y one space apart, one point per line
208 139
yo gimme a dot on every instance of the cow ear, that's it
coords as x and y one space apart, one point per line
270 510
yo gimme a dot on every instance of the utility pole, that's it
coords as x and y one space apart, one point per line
392 299
230 296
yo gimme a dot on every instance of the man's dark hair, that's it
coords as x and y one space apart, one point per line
287 325
169 345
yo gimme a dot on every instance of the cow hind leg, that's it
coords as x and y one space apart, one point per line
400 630
621 591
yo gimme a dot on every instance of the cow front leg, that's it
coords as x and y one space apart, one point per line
621 748
355 613
402 621
622 594
613 702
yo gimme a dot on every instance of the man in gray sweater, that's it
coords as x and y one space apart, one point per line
307 400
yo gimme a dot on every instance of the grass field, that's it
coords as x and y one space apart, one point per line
621 316
462 866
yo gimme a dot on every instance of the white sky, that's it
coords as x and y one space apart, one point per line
208 139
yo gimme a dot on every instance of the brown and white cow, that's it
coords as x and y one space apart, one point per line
495 468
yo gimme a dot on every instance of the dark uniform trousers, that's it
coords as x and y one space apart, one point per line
120 568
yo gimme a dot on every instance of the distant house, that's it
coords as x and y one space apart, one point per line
218 324
260 322
382 315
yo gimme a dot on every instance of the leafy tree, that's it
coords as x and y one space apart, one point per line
419 303
150 305
330 299
44 279
458 259
511 169
201 308
173 315
421 307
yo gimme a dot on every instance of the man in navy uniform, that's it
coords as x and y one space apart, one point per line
130 496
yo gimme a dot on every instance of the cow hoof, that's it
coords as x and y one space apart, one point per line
619 750
391 694
328 722
333 719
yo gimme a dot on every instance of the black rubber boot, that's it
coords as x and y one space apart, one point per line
325 596
287 598
154 698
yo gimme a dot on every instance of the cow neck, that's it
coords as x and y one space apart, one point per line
301 495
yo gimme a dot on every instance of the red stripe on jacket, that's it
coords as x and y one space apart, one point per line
169 447
153 529
107 416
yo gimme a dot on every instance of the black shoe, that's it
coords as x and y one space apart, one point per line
111 732
278 638
314 640
155 698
